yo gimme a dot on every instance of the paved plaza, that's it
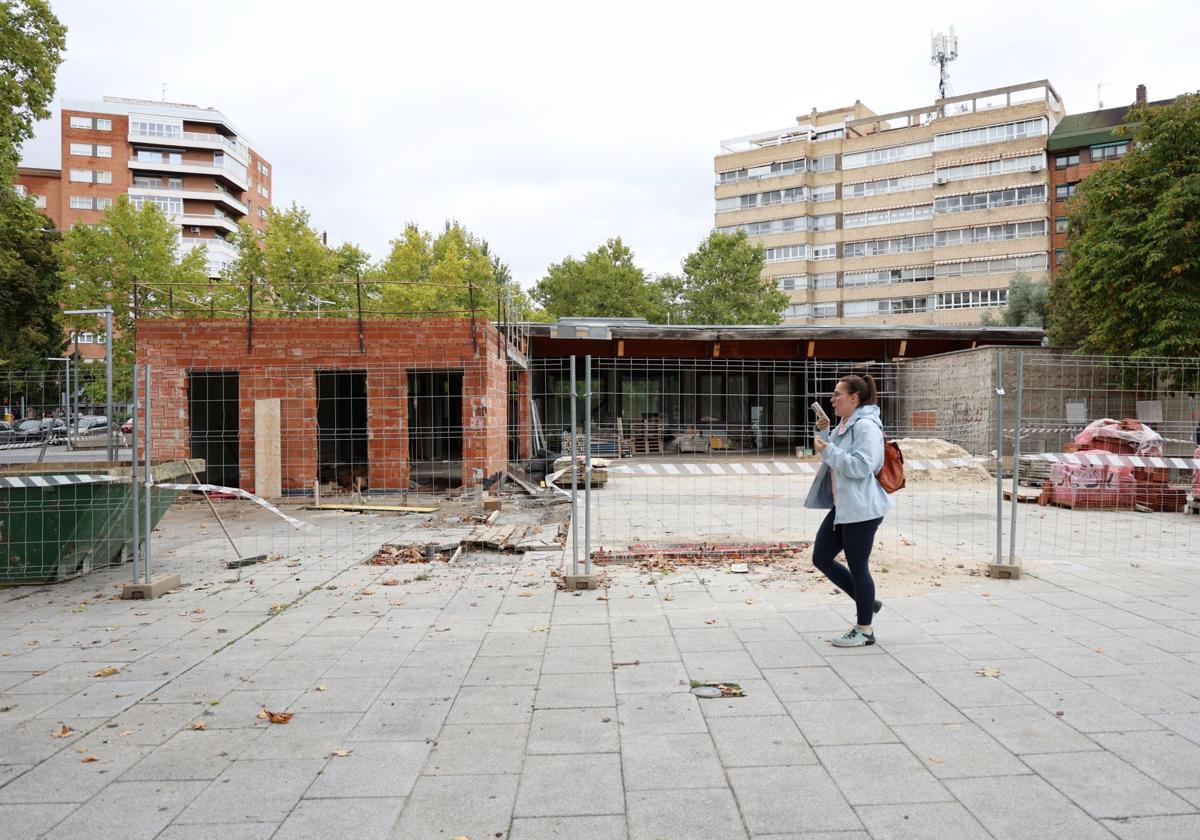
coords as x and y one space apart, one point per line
476 700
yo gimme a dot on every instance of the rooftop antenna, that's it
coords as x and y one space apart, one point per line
164 92
1100 95
942 50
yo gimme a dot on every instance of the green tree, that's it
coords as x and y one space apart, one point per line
605 283
29 285
1129 285
31 46
300 269
1026 304
723 283
101 263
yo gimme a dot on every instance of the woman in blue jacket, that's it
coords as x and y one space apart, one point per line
851 454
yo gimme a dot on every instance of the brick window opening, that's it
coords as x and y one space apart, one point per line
435 428
213 424
342 428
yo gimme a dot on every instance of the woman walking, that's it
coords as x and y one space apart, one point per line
851 454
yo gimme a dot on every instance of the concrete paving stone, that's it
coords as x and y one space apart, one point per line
450 806
1025 808
518 622
1155 828
570 785
239 709
684 815
760 742
1145 694
578 635
983 646
964 750
452 655
790 653
155 723
707 639
1105 786
340 695
364 665
318 819
524 643
659 714
65 778
254 790
872 670
493 704
909 704
830 722
281 674
102 699
582 659
780 800
1089 710
757 701
32 820
819 835
402 720
473 749
652 677
803 684
965 689
639 626
816 619
1030 674
569 828
135 809
326 648
1080 661
568 691
373 768
192 755
1169 639
504 670
8 772
1166 757
671 762
309 735
934 657
556 731
921 821
28 741
645 649
1030 729
1187 725
880 774
582 611
424 682
760 630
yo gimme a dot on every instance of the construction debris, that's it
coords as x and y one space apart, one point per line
935 449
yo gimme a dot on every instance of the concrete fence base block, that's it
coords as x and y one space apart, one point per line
156 587
575 582
1004 571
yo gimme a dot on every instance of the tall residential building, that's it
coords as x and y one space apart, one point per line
190 161
1077 147
914 217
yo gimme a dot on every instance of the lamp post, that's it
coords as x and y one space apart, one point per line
108 398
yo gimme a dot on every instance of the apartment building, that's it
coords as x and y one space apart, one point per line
920 216
192 162
1079 145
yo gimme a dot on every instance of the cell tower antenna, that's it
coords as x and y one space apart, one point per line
942 50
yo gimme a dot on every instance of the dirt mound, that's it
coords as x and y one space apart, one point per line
925 449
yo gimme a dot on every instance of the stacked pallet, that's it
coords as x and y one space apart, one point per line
646 436
599 471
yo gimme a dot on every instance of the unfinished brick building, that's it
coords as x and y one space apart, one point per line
276 405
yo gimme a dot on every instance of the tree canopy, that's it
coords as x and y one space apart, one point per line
605 283
1129 284
1026 304
723 283
32 41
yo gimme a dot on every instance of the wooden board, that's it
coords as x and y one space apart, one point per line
377 508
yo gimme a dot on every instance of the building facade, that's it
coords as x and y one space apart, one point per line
192 162
914 217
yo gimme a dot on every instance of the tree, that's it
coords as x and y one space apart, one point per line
1026 304
605 283
1129 285
29 285
723 283
101 263
32 41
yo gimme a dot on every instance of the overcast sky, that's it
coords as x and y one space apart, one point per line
549 127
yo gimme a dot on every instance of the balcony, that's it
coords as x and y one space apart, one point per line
220 254
216 219
235 172
196 140
200 195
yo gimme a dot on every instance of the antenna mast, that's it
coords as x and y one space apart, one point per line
942 50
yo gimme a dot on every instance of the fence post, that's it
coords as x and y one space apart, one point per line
999 458
587 470
135 537
572 449
1016 469
149 484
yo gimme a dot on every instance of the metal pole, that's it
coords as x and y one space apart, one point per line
135 540
67 419
999 457
108 398
587 470
1016 469
149 482
573 450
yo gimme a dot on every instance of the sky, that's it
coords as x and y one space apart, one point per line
549 127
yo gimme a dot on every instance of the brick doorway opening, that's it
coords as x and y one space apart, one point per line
342 428
213 424
435 427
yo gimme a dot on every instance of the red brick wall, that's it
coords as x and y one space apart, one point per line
118 164
283 362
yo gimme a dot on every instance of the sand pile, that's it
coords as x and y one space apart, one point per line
924 449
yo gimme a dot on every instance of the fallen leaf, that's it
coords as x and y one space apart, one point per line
1099 650
368 592
276 609
668 597
64 732
342 753
322 688
275 717
988 672
540 628
126 733
88 759
601 597
396 603
107 671
749 600
937 759
389 582
198 726
710 621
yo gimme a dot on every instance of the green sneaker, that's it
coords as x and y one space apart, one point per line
854 638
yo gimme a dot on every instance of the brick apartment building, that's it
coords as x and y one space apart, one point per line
914 217
1079 145
193 162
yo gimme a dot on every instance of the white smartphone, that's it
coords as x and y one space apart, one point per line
820 412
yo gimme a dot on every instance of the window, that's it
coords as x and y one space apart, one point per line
749 173
155 129
1063 161
147 182
831 134
990 134
828 280
878 247
264 170
888 275
81 149
104 203
1024 163
103 177
792 281
791 224
1060 256
825 193
94 123
175 158
81 176
828 163
973 299
262 213
103 151
1000 265
990 233
888 185
169 206
86 202
890 216
39 201
263 191
786 253
1109 152
797 310
904 306
103 125
860 308
826 222
824 252
174 183
891 154
1064 191
1060 224
20 190
824 310
990 200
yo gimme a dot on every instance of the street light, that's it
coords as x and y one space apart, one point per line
108 337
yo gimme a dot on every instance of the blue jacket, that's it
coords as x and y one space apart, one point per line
854 457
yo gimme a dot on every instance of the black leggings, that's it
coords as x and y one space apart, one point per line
855 538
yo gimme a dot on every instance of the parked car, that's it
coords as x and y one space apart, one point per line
7 433
53 431
91 424
127 427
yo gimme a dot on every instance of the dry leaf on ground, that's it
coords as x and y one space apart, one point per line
275 717
126 733
390 581
198 726
937 759
107 671
342 753
668 597
988 672
63 732
396 603
749 600
88 759
710 621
